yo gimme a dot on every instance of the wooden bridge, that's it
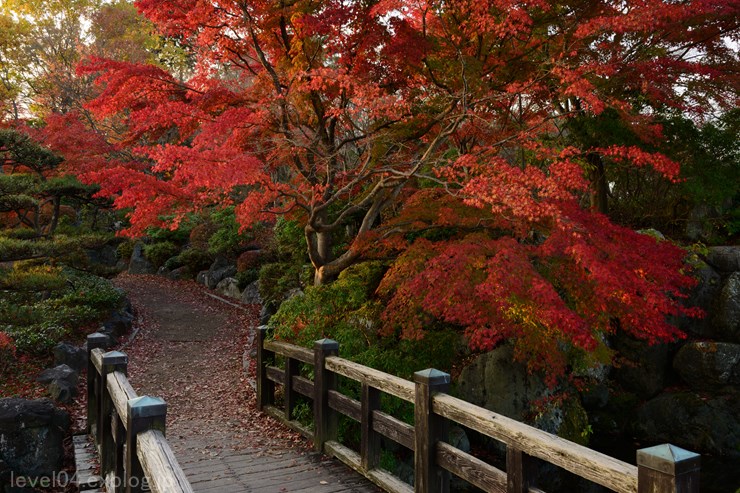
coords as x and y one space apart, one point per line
129 431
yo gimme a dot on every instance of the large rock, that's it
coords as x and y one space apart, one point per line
229 287
219 270
709 366
496 382
31 434
726 322
724 258
104 256
704 295
139 264
119 323
643 369
72 356
251 294
180 274
62 382
693 422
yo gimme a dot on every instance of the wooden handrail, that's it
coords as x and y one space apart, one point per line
128 429
661 469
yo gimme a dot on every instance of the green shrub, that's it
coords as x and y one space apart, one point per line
247 277
158 253
196 260
227 239
34 279
125 250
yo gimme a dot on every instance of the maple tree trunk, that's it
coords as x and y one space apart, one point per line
599 186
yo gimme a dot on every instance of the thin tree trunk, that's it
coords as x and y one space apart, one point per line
599 186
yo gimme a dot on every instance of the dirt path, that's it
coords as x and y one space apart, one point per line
189 351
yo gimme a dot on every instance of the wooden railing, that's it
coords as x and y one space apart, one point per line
128 429
660 469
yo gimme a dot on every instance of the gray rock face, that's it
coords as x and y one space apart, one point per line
181 273
31 434
139 263
725 258
220 269
229 287
251 294
268 309
688 420
727 318
709 366
496 382
703 295
72 356
105 256
62 382
118 324
201 277
645 368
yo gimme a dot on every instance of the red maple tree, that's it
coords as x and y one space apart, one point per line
337 112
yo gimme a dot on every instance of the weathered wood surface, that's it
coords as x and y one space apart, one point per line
345 405
394 428
594 466
399 387
162 469
121 391
291 351
471 469
383 479
96 356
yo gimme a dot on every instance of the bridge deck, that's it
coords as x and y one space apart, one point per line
189 351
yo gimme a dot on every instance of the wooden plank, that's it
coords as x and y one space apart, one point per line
370 439
471 469
303 386
290 397
345 405
326 419
302 354
582 461
403 389
121 392
382 478
275 374
96 356
393 428
160 466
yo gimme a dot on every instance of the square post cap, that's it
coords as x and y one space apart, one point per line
668 459
115 358
430 376
96 340
147 407
326 344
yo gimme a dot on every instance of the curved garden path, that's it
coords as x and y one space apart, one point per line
190 350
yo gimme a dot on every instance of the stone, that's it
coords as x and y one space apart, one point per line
498 383
31 436
61 372
700 424
709 366
704 295
139 264
180 274
119 323
72 356
201 277
458 438
726 321
220 269
269 308
251 294
643 369
724 258
229 286
62 391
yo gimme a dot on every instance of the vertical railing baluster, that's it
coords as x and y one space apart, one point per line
144 413
292 368
325 418
518 470
370 439
94 341
112 361
428 430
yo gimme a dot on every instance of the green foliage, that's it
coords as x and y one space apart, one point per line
227 240
247 277
125 249
53 304
196 260
288 272
158 253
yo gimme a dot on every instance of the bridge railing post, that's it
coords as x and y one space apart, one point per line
429 428
325 418
292 368
265 386
94 341
369 438
667 469
112 361
144 413
518 470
